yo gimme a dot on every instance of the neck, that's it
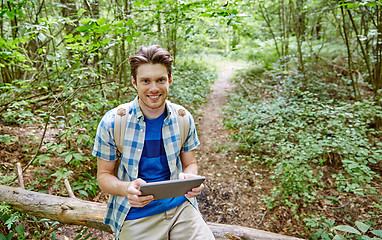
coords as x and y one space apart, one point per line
151 113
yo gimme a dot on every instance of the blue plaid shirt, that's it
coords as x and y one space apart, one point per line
105 148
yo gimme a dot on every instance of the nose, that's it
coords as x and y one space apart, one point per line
154 87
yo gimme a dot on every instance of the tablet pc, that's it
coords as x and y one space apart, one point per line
170 188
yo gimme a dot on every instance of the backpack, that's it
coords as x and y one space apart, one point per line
120 122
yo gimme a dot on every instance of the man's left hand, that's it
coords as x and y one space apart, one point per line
195 191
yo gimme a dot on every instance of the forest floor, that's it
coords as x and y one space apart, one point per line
233 189
230 195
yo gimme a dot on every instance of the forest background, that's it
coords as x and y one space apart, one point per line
306 111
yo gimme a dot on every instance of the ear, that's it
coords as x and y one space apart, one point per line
134 83
170 80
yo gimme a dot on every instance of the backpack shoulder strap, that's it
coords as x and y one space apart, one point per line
183 122
120 122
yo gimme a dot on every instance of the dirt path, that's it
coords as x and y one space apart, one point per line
229 191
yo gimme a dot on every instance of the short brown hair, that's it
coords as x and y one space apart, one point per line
152 54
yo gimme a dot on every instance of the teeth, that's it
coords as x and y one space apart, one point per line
154 97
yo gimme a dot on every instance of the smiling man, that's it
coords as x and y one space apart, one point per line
152 151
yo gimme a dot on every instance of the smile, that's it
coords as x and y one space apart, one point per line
156 97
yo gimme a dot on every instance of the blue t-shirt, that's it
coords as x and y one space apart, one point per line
153 167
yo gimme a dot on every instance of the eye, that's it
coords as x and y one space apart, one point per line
145 81
162 80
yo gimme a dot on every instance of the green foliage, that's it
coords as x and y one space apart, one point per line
322 226
360 232
86 185
327 230
191 84
10 220
303 137
62 173
12 226
7 139
82 234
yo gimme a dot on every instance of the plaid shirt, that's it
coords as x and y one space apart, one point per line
105 148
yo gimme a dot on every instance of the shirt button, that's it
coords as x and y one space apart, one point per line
142 130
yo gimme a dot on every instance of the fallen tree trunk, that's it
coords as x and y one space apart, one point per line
79 212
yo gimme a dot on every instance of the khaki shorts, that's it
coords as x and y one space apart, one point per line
180 223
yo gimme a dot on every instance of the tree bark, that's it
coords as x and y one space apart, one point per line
296 19
364 53
350 58
268 22
79 212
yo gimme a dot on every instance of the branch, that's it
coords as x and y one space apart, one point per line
20 174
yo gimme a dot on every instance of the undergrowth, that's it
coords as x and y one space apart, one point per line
311 139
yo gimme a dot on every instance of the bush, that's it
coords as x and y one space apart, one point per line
304 138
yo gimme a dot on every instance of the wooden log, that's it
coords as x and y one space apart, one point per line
66 210
74 211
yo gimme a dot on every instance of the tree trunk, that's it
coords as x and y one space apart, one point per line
378 67
350 58
68 10
296 19
79 212
2 21
364 53
268 22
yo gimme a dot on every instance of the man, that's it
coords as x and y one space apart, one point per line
152 152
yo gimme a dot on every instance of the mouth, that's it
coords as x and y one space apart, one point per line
154 97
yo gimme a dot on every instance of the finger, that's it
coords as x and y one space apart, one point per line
192 194
136 201
134 186
148 198
187 175
198 189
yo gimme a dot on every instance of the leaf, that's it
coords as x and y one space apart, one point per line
81 11
339 237
130 22
68 158
377 233
348 229
82 28
53 235
85 21
361 226
129 39
9 236
42 37
366 238
77 156
10 15
101 21
372 160
136 34
20 229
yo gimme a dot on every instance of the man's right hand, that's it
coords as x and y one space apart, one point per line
109 183
133 194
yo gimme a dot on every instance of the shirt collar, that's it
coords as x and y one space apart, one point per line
137 109
138 112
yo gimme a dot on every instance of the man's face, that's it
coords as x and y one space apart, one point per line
152 84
